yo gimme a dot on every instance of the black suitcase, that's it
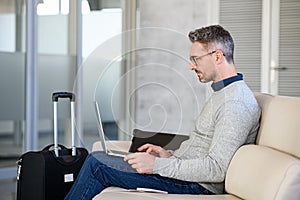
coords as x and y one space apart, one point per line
49 174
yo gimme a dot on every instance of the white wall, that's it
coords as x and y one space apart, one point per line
169 95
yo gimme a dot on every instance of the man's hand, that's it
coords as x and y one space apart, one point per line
155 150
142 162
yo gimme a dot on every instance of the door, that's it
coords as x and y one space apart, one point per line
289 48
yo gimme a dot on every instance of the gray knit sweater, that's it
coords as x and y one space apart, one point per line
229 119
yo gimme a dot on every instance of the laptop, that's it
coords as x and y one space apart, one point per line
102 136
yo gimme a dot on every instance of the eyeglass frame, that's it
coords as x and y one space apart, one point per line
194 59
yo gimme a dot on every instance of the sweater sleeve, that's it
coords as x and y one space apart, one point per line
233 123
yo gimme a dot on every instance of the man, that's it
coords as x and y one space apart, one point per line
228 120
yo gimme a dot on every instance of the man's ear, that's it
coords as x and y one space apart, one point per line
219 57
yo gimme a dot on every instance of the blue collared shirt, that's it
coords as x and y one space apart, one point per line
221 84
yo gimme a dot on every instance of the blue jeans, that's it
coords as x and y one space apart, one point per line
101 171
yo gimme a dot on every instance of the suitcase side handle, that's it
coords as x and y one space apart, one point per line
51 146
57 95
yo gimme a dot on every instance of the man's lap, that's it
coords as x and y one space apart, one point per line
114 162
124 176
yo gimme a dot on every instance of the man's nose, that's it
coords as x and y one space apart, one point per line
192 66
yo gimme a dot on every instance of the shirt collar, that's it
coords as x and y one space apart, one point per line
223 83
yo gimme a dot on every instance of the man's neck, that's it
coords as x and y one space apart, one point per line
225 71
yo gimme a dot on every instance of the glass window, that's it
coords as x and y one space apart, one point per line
12 81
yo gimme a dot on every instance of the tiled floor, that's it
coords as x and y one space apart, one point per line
8 190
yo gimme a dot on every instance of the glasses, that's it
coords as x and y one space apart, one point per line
194 59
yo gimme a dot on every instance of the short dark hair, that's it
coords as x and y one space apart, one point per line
214 35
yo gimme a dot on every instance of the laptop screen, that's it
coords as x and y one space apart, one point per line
100 127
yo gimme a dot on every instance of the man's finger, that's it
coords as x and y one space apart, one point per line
145 146
129 156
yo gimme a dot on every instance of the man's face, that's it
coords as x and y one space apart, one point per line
203 63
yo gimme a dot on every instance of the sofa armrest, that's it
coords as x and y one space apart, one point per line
260 172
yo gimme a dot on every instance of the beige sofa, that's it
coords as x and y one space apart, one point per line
270 169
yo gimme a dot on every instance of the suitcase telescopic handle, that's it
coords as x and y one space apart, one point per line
55 97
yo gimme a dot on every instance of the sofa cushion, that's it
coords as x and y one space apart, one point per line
116 193
259 172
280 123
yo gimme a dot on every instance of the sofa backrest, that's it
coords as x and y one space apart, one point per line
280 123
271 168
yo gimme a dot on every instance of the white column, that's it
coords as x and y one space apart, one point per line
75 48
128 55
265 53
31 77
